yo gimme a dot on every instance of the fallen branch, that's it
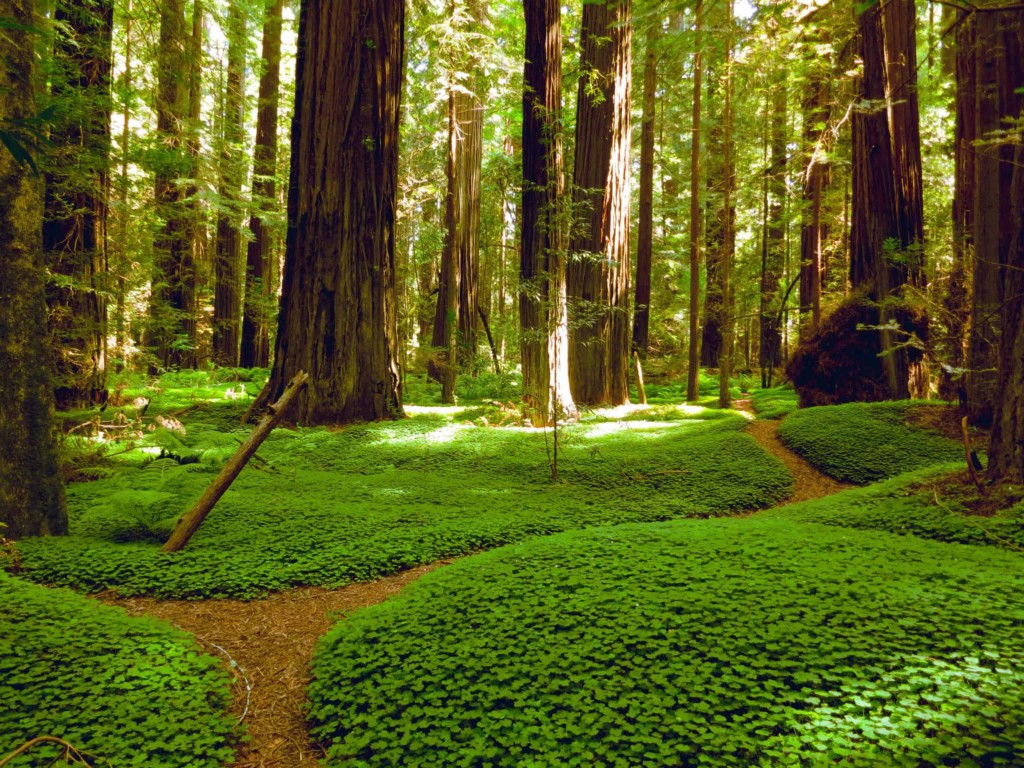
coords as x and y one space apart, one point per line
189 524
70 752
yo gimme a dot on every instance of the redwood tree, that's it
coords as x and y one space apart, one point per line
543 318
598 274
337 318
645 214
31 494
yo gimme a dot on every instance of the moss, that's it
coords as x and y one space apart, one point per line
775 402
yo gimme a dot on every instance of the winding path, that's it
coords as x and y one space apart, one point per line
271 641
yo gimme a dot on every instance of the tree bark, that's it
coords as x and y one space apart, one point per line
729 235
693 371
77 191
173 302
543 316
337 319
774 245
259 287
31 493
598 273
645 224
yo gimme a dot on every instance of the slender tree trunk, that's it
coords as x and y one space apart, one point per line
598 274
774 251
123 259
693 372
729 235
645 225
259 287
816 178
543 314
714 220
31 493
173 303
227 306
77 191
337 319
446 317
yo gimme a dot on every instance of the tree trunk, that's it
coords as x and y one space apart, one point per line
227 306
645 224
729 235
816 178
543 317
693 371
444 360
31 493
714 222
774 247
337 319
259 287
598 274
173 303
77 191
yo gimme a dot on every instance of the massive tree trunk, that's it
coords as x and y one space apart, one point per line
598 274
645 224
173 302
543 316
77 188
227 305
992 38
337 319
31 493
693 370
259 288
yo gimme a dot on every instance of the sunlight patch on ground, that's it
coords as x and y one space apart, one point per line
613 427
433 410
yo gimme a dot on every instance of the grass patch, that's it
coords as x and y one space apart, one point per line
861 443
908 505
130 691
727 643
775 402
328 507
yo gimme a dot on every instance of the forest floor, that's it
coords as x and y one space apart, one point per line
271 641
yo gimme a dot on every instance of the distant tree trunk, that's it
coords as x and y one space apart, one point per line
774 245
816 178
729 234
693 372
444 360
598 274
645 224
31 493
714 223
337 319
227 306
173 303
543 315
993 38
195 219
77 190
259 288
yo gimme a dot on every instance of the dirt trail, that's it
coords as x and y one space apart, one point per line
808 482
271 640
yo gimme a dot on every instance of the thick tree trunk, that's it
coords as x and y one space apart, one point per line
543 315
337 319
693 369
227 305
714 223
77 189
444 360
259 287
645 224
173 302
816 178
31 493
598 274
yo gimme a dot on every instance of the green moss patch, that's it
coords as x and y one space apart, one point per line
129 691
327 507
725 643
864 442
775 402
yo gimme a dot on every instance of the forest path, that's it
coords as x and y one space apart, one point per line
271 640
808 481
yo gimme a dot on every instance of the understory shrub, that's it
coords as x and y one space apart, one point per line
775 402
864 442
129 691
726 643
332 506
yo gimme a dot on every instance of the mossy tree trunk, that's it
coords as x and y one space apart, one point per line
543 314
77 188
337 318
598 272
259 288
31 493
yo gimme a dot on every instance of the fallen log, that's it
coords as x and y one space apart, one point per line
189 523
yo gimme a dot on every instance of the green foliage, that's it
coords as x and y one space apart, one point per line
131 691
675 391
725 643
911 504
775 402
328 507
864 442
